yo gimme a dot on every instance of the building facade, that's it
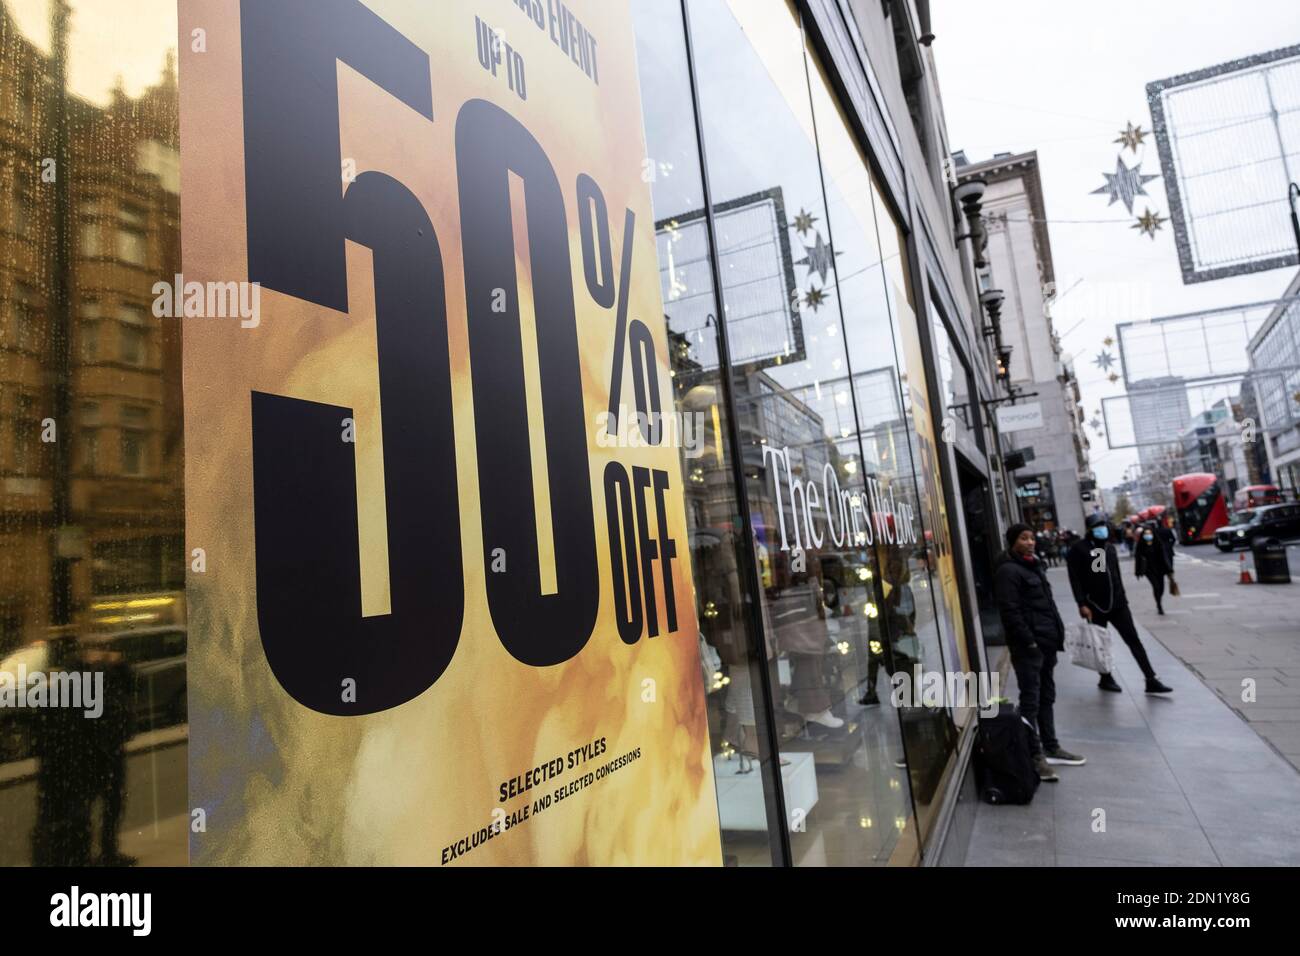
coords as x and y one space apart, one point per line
78 334
1161 412
845 495
1219 442
1051 484
1275 372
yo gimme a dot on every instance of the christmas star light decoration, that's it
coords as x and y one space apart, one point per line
1148 223
1104 360
1131 136
1125 184
814 298
803 221
819 257
1096 424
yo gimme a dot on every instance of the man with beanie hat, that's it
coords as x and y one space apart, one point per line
1035 634
1098 589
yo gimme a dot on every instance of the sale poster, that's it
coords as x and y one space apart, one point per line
441 607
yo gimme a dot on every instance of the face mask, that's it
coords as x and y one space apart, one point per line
1101 532
1148 537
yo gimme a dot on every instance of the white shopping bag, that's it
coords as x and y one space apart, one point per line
1089 646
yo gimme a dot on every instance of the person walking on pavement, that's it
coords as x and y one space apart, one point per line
1153 561
1093 565
1035 634
1049 551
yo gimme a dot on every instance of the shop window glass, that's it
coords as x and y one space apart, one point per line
817 508
84 791
955 405
900 449
940 628
744 767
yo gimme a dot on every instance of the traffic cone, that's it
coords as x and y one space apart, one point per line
1245 572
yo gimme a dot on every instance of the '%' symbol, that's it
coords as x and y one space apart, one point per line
597 261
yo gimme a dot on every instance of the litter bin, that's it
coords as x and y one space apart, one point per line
1270 562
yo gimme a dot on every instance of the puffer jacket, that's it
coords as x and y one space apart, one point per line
1024 596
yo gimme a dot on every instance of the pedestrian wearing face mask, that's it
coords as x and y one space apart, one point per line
1152 560
1093 565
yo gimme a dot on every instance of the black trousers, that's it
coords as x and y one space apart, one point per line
1121 618
1157 586
1034 668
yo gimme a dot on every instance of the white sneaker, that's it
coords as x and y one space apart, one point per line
826 719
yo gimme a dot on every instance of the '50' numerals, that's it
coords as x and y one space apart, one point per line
304 485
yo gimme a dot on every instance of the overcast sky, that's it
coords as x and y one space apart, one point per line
107 39
1064 79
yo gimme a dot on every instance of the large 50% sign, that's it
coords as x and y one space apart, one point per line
308 562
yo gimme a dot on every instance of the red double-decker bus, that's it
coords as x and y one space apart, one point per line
1201 508
1153 513
1252 496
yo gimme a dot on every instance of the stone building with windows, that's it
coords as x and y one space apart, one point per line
1019 255
91 471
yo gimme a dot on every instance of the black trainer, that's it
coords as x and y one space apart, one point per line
1109 683
1155 687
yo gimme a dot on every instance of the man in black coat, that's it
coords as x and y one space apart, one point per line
1098 587
1035 634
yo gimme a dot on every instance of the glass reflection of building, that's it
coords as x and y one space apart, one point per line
122 470
91 442
820 611
790 306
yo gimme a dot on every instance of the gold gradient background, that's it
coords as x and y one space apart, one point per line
281 784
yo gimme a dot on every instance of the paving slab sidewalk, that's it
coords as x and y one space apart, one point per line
1243 640
1179 779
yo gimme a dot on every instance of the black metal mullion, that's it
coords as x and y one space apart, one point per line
773 797
878 546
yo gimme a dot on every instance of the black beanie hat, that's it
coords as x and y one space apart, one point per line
1015 531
